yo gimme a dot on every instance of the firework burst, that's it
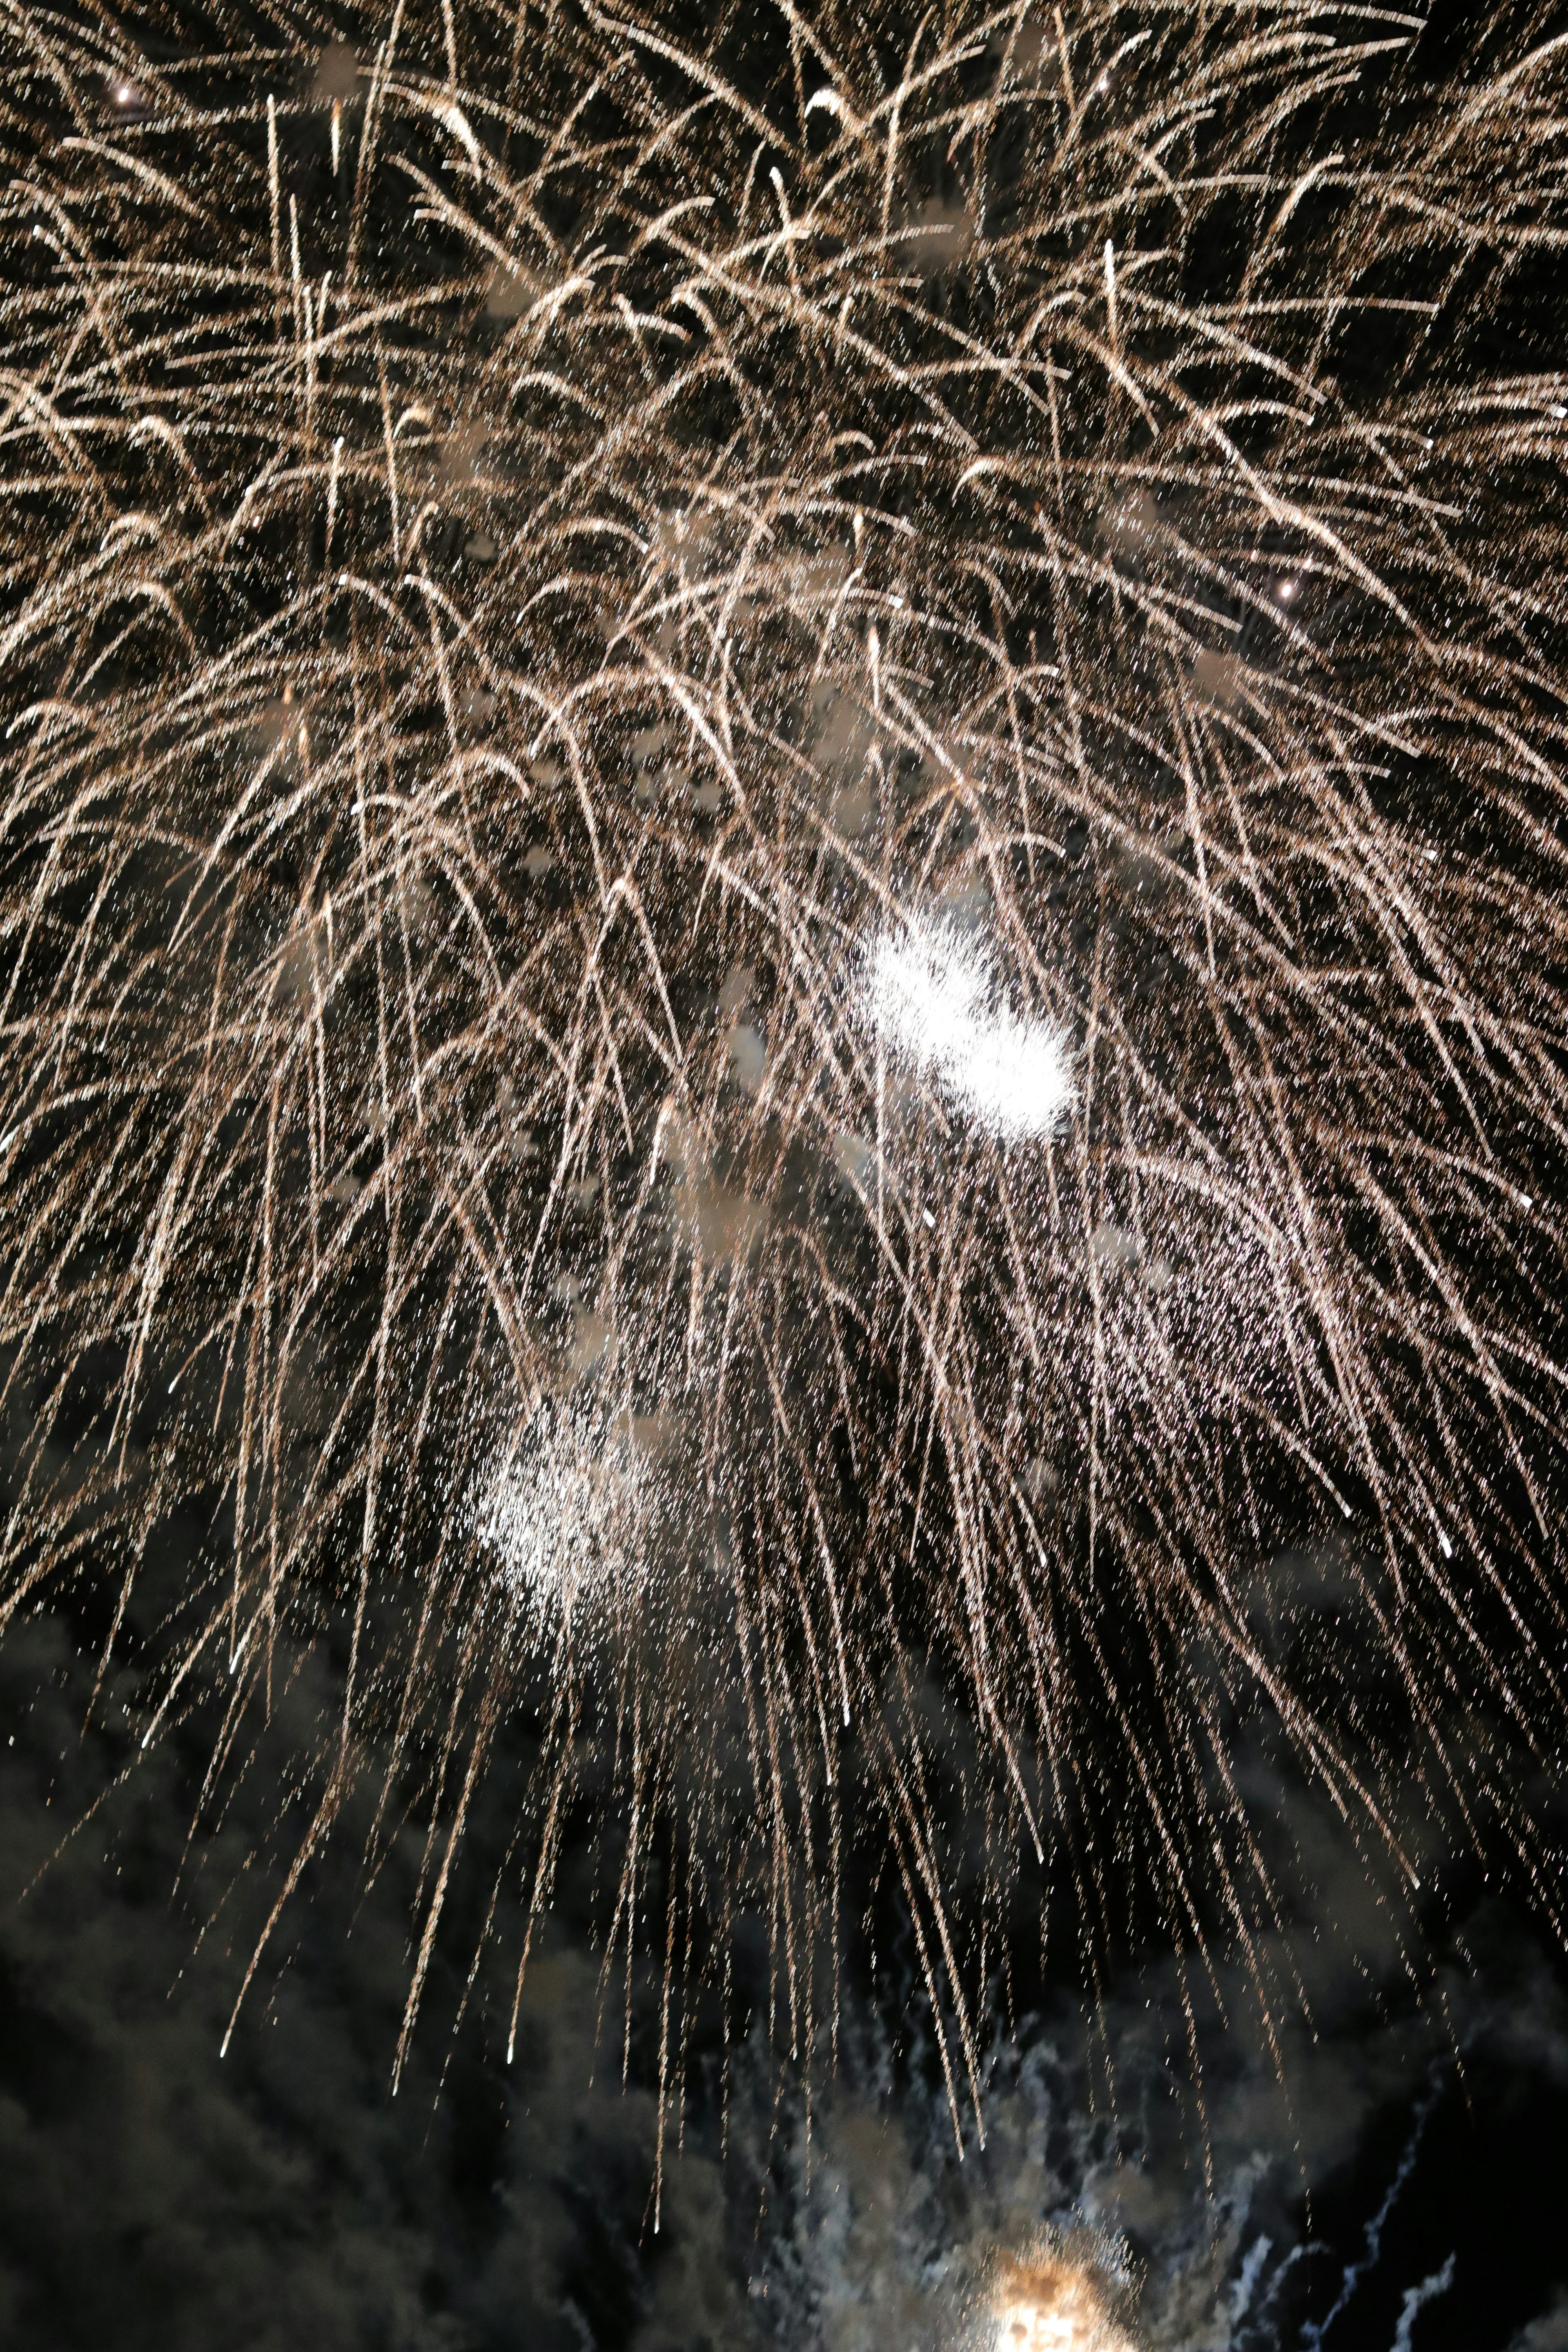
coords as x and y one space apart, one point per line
782 874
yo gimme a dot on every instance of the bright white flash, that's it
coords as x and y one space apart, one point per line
931 994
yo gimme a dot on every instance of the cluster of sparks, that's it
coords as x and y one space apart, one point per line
561 1515
815 766
1053 2304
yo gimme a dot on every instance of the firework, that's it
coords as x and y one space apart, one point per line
1052 2304
783 939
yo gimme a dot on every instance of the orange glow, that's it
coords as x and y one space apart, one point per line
1054 2305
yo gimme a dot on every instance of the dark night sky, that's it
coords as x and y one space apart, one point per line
158 2194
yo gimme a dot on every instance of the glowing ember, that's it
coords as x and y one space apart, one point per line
1054 2305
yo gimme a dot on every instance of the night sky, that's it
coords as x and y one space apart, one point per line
161 2195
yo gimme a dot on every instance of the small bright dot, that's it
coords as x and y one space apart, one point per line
124 92
1287 590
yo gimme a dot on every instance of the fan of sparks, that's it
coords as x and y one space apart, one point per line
781 866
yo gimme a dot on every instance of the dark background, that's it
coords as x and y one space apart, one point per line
156 2193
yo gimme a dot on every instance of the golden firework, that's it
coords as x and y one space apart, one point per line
782 880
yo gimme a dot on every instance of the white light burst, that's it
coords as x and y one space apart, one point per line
932 995
564 1513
